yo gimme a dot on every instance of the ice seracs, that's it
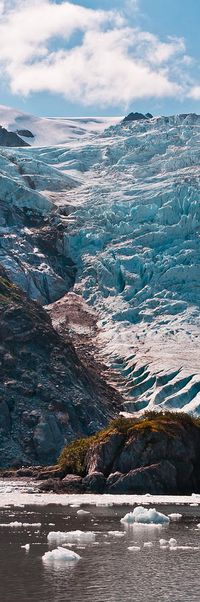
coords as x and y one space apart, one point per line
127 200
142 516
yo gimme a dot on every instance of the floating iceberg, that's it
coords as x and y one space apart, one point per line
71 536
60 554
18 524
141 515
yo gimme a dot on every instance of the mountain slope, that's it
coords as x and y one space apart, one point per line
48 395
44 131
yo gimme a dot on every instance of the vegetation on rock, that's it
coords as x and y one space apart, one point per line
72 458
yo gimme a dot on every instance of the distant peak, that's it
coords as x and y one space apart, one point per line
137 117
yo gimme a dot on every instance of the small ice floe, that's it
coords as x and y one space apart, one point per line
74 505
18 524
51 524
148 544
60 555
26 547
194 505
134 548
12 524
175 516
116 533
142 516
163 543
71 536
31 524
171 543
82 512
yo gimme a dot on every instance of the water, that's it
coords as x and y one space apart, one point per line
107 571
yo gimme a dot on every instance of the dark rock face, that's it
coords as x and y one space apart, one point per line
156 479
137 117
148 448
25 133
10 138
158 455
47 396
101 457
95 482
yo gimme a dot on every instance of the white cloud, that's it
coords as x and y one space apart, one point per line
110 63
194 93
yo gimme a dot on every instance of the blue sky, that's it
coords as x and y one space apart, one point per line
100 58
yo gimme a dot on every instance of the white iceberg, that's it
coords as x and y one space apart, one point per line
60 554
148 544
175 516
82 512
142 516
116 533
26 547
172 543
71 536
134 548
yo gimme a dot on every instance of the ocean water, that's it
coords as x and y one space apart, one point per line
107 571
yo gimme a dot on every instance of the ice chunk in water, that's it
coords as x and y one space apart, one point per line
71 536
60 554
141 515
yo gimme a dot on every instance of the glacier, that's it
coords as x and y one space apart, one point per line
127 198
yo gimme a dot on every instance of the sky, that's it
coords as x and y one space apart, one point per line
89 58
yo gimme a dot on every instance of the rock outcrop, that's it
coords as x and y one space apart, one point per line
157 454
10 138
47 395
25 133
137 117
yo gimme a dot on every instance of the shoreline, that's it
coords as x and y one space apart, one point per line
25 493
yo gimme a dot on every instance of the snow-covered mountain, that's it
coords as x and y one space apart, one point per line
126 203
45 131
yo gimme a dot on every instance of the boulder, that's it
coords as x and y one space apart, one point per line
72 483
95 482
26 472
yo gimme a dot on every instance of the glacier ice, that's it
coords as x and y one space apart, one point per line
128 199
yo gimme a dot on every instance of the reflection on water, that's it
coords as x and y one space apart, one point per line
107 570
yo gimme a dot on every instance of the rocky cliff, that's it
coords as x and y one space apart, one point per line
157 454
48 396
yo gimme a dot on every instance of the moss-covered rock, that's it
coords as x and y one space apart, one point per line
157 453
